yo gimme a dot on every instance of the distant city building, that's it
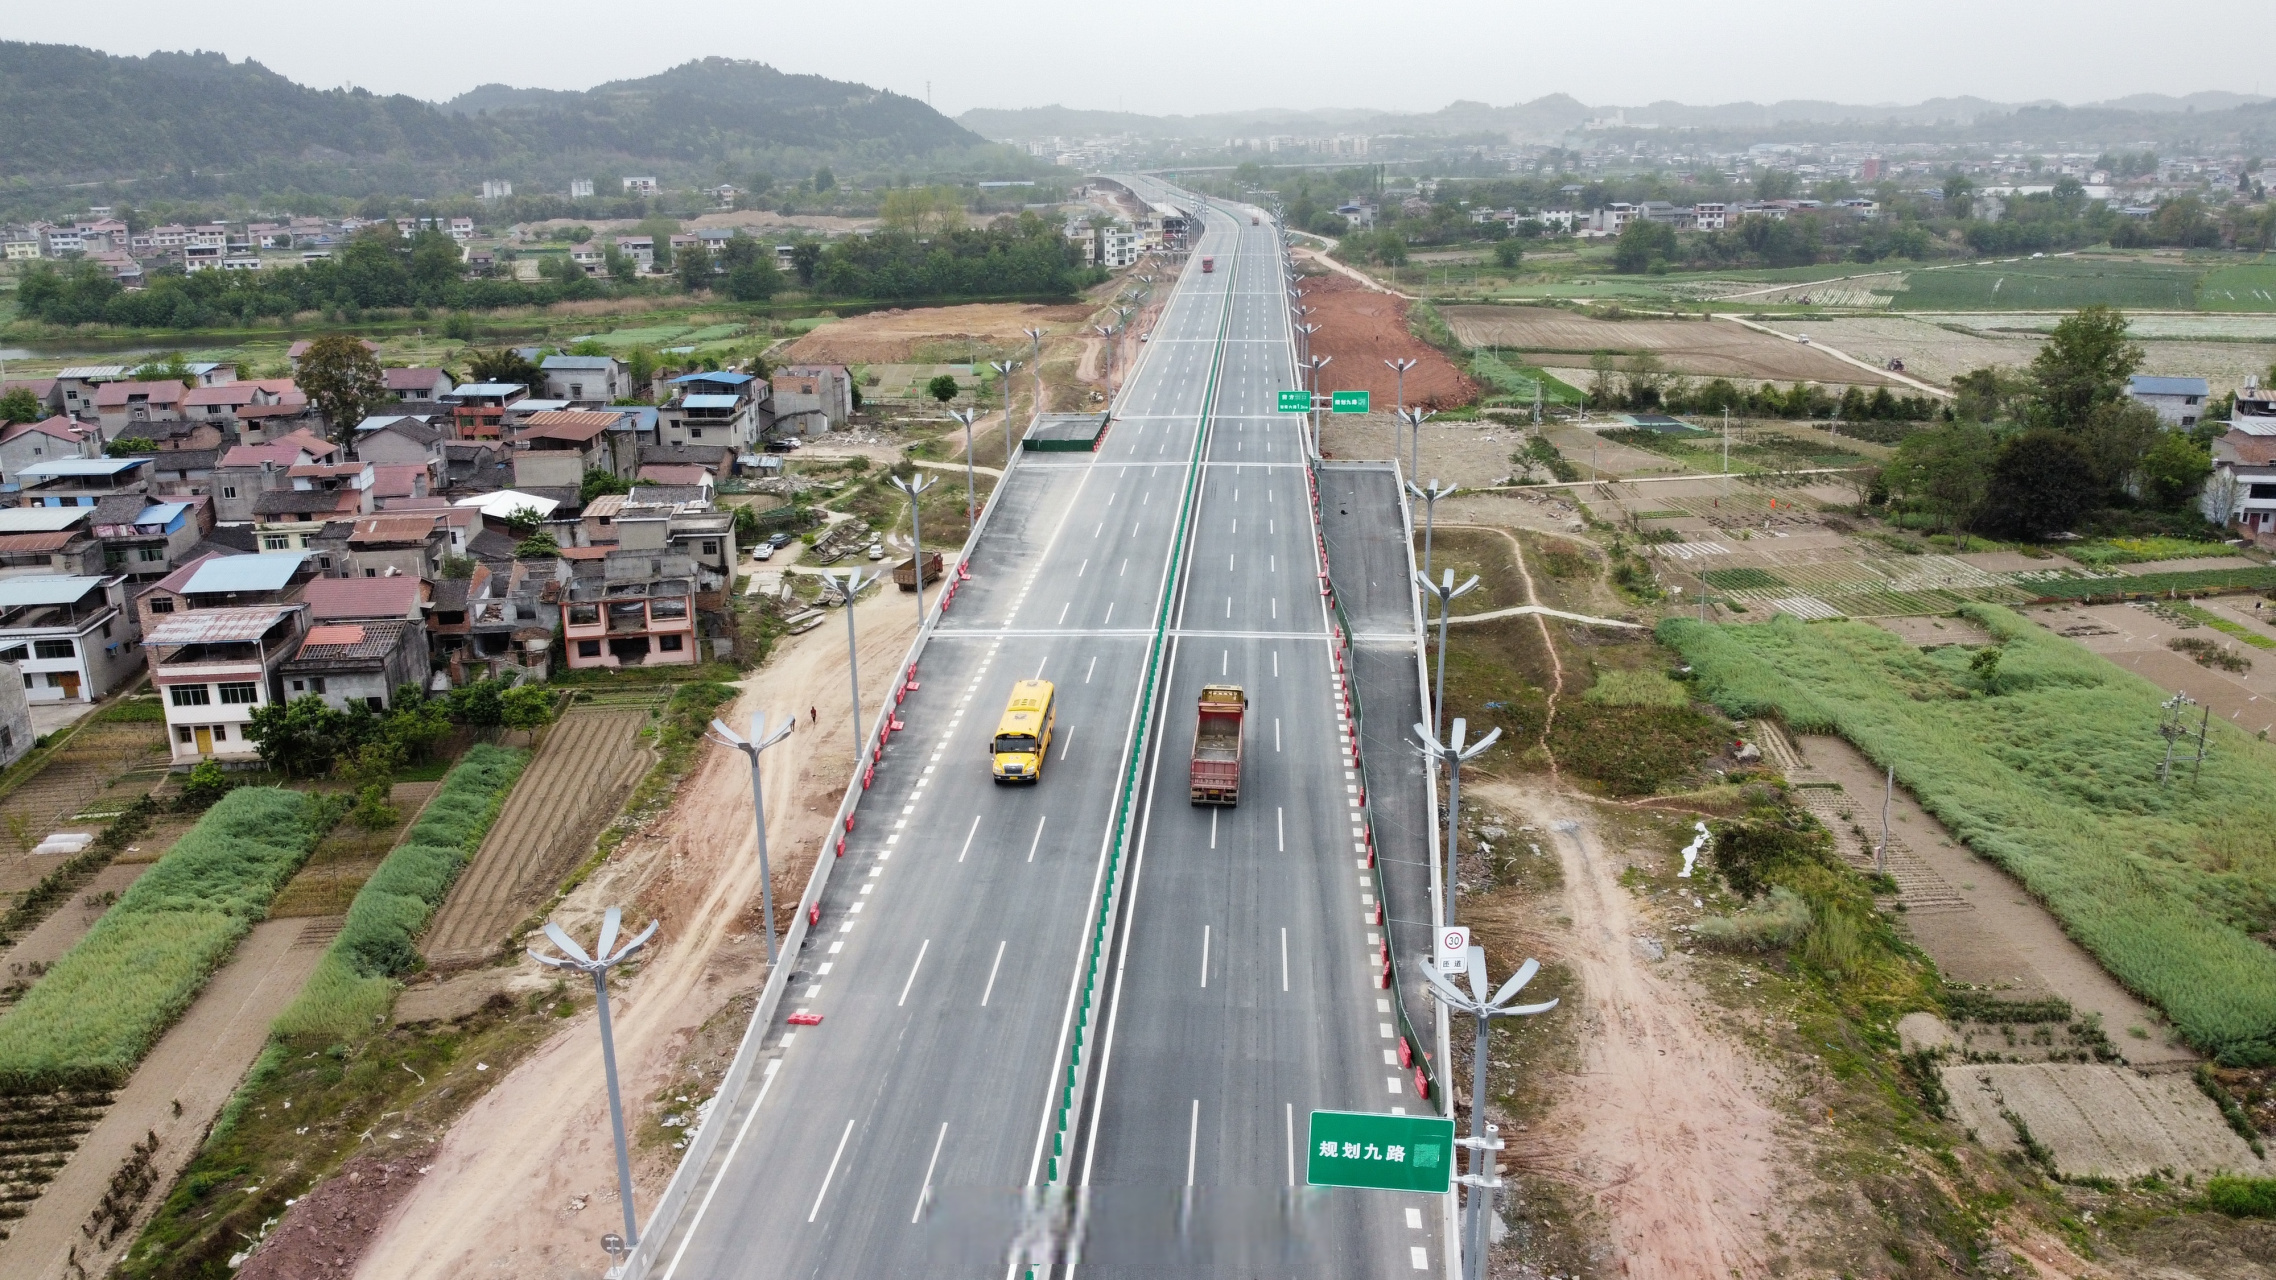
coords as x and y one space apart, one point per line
580 188
642 187
496 189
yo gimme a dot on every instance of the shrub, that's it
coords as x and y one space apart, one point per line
2055 779
1637 689
353 986
97 1011
1632 750
1771 925
2242 1197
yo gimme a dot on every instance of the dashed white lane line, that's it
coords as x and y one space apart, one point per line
925 1192
912 981
991 987
839 1155
1038 840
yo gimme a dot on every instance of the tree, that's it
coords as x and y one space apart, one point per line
1945 469
537 546
751 273
942 388
2116 436
528 706
1642 243
342 378
1988 394
1959 195
504 365
20 405
2041 483
2173 469
300 738
130 446
824 180
1985 666
523 522
172 367
694 271
1507 254
2085 362
598 482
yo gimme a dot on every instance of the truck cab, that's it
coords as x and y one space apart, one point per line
1023 737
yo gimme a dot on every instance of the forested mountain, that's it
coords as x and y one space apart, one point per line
199 124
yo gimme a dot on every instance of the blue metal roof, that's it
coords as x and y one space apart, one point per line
245 573
162 513
2142 384
81 467
729 379
578 362
710 402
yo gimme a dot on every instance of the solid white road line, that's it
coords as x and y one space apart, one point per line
1087 671
925 1192
1284 959
1070 740
1213 828
921 950
839 1155
1280 828
968 838
688 1237
1192 1141
1291 1114
1031 845
1276 729
1205 957
991 988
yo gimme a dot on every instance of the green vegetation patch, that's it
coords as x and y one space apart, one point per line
2226 626
2100 553
1633 750
2052 284
2256 578
91 1018
2048 763
1637 689
353 986
2243 288
1741 579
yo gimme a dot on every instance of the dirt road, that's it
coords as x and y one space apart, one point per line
498 1201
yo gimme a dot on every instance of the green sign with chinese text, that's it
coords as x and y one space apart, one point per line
1385 1153
1298 401
1349 402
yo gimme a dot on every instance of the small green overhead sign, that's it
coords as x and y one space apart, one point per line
1295 402
1383 1153
1350 402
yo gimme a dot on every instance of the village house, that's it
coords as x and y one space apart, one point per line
214 668
25 443
710 409
479 409
587 381
70 636
120 406
352 663
247 471
290 518
49 540
418 388
2178 402
81 482
810 399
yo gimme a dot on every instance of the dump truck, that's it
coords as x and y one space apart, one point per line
1217 744
1208 265
905 573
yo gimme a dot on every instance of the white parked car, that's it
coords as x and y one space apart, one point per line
763 551
877 551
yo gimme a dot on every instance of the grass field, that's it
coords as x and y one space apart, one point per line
2055 284
2247 287
2050 770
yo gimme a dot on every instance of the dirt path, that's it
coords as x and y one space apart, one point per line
1665 1129
1320 258
175 1095
498 1199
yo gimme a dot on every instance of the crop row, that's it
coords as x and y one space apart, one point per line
2257 578
96 1012
2049 766
354 984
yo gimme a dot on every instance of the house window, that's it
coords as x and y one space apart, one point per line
147 554
276 542
587 649
695 433
669 644
184 734
161 604
300 686
371 573
240 695
53 649
711 546
376 703
13 655
106 631
221 733
584 615
189 695
576 391
667 608
229 491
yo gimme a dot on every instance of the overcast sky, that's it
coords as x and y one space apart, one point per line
1413 56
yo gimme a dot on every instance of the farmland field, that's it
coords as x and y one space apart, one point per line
2058 283
1684 346
2250 287
2052 771
2224 350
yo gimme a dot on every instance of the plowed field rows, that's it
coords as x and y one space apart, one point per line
588 764
1700 348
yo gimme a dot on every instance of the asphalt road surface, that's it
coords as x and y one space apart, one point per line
905 1134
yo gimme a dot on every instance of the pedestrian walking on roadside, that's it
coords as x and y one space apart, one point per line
813 716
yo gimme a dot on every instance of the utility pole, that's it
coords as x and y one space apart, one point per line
1446 596
597 965
759 741
1453 755
915 487
1485 1139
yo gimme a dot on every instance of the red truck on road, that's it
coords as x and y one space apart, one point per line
1208 265
1217 744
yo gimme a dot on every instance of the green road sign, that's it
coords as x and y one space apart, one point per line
1350 402
1296 401
1386 1153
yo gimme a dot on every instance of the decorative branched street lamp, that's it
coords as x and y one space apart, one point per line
597 965
1484 1139
759 741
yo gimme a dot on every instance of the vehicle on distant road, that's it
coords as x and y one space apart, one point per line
1208 265
905 573
1217 744
1023 736
876 551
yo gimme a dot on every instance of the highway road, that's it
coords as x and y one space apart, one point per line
1244 980
898 1137
906 1134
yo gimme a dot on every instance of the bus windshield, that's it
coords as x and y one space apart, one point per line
1015 744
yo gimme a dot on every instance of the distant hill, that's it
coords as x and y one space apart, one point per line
190 121
2159 118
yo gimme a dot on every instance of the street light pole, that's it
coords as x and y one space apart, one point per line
1318 363
849 589
1035 366
1430 499
1446 596
1106 332
597 965
1484 1139
1453 755
971 494
759 741
1400 367
1414 419
915 487
1003 370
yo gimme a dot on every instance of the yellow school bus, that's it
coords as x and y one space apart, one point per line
1023 736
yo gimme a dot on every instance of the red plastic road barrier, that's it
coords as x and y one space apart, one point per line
813 915
841 846
964 573
1406 1053
1422 1084
911 685
1378 913
804 1019
897 725
899 694
849 822
868 776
